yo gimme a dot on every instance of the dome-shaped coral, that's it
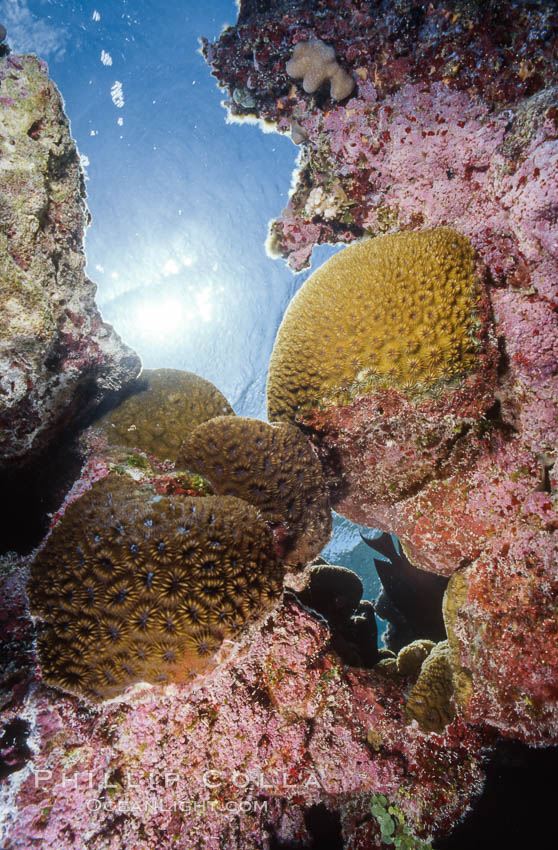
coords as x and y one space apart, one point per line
166 405
274 468
411 657
387 356
135 588
404 310
430 702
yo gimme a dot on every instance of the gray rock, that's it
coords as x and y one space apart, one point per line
58 359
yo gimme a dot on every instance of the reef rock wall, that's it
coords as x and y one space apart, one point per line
57 356
452 122
280 736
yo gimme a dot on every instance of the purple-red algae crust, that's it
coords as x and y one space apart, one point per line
238 756
453 122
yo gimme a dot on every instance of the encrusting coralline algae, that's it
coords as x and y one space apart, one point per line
451 126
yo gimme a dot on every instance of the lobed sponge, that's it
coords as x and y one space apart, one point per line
315 62
273 468
133 587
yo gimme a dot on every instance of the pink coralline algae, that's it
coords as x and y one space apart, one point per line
237 758
510 600
453 123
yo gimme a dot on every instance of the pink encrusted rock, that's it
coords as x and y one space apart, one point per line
237 757
495 522
16 637
441 131
57 356
529 326
450 522
503 629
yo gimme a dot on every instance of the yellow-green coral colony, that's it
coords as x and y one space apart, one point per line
430 700
130 588
272 467
167 405
397 311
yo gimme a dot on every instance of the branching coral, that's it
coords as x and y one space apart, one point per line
315 63
135 588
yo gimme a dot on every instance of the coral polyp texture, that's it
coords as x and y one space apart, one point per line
452 124
430 700
410 657
58 359
274 468
133 587
406 311
388 344
165 405
237 759
315 64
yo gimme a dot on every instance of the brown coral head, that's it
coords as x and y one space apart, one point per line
387 356
430 701
273 468
109 620
165 405
408 311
